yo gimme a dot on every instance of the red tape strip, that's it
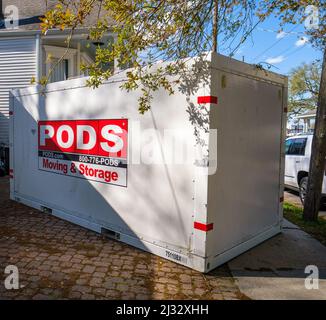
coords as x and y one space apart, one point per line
203 226
206 99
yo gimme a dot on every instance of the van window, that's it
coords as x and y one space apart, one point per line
297 147
288 144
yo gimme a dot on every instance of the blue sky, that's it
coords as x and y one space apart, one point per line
284 51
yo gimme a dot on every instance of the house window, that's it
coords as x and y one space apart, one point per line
60 70
62 62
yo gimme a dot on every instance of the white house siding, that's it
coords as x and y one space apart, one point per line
18 64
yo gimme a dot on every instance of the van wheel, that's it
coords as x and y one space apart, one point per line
303 188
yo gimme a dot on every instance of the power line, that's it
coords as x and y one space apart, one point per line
296 50
245 37
278 32
290 54
289 48
273 45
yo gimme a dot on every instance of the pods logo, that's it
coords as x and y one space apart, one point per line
107 138
88 149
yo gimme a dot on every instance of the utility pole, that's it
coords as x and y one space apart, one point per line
215 26
318 154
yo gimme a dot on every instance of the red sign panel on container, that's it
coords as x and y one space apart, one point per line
92 149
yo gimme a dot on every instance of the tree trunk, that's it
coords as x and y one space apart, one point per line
215 26
318 154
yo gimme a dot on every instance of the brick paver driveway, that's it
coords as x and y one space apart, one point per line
59 260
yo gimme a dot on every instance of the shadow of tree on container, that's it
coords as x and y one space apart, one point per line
59 260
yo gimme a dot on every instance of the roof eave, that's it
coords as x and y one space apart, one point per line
52 32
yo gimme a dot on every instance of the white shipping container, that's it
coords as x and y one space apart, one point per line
198 179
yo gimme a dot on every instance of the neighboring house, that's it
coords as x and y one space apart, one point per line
302 124
24 51
307 120
294 129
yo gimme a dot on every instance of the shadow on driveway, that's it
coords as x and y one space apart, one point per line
59 260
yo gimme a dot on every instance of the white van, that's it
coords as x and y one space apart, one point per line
297 161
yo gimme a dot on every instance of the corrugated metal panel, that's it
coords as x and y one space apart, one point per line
17 67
